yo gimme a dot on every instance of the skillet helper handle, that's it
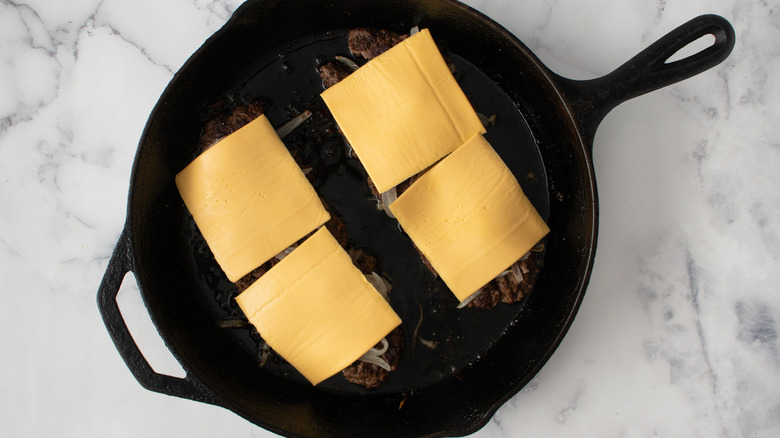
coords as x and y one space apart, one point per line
122 262
649 70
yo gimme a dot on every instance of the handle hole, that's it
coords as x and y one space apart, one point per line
692 48
144 333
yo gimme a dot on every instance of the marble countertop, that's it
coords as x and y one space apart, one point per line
678 332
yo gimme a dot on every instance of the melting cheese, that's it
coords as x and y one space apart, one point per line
317 310
249 198
469 216
402 111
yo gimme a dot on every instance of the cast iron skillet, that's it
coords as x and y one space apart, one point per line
545 131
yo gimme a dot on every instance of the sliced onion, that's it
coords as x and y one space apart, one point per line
388 198
375 360
465 302
348 62
381 350
373 356
290 126
233 323
415 336
414 30
517 273
487 121
285 253
525 256
380 284
419 323
427 343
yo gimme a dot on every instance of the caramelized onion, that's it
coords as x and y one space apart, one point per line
374 356
471 297
427 343
380 284
388 198
290 126
516 272
381 350
487 121
348 62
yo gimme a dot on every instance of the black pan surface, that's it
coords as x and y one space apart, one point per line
544 131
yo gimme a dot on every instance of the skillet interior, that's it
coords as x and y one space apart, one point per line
290 84
179 293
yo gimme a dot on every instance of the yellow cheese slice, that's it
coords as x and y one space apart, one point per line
402 111
469 216
249 198
317 310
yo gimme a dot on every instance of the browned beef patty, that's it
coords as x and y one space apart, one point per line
333 72
370 375
370 43
223 124
244 282
506 288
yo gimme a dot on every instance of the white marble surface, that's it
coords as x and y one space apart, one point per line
678 333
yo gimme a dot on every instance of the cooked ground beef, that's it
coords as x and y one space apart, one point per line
244 282
224 124
372 187
370 43
370 375
364 261
333 72
506 289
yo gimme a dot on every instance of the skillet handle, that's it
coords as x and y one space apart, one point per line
122 262
649 70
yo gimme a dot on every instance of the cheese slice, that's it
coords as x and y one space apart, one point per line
249 198
317 310
469 217
402 111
